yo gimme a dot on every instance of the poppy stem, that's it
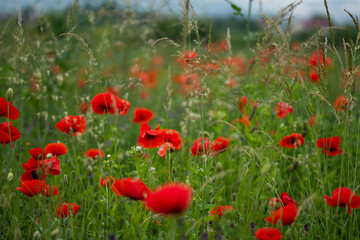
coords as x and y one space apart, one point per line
8 117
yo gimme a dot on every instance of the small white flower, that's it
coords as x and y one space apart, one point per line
108 156
152 169
138 148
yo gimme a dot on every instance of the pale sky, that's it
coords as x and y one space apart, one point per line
209 8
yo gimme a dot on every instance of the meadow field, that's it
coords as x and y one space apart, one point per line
118 124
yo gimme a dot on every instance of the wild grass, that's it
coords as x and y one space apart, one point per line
99 47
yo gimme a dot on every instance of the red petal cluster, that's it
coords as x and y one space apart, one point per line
131 188
5 137
75 125
283 109
330 146
343 197
105 103
220 211
293 141
172 136
286 214
142 115
267 233
8 110
63 210
94 153
173 198
151 138
219 145
35 187
200 147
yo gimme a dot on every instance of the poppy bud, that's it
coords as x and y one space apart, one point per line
17 234
89 170
268 186
37 235
9 94
65 179
39 172
49 155
10 176
55 233
219 167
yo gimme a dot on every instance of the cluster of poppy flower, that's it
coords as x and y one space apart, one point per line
202 146
288 212
168 199
8 133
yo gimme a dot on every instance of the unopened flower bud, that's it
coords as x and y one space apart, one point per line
89 170
55 233
219 167
10 176
9 94
268 186
37 235
65 179
49 155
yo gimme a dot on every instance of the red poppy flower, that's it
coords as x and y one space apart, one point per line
106 182
188 82
245 120
50 165
94 153
219 145
35 187
63 210
8 110
75 125
242 103
292 141
267 233
31 188
148 79
33 175
84 107
312 120
200 146
341 103
164 148
286 214
104 103
330 146
5 137
236 64
285 199
37 153
314 77
172 136
173 198
187 58
142 115
56 149
343 197
315 56
220 211
151 138
283 109
131 188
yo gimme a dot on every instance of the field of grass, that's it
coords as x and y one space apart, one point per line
264 128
